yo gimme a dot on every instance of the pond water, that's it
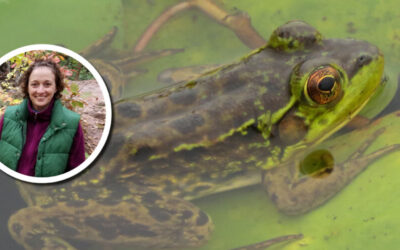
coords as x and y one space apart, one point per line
362 216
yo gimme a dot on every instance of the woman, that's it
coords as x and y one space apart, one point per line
40 137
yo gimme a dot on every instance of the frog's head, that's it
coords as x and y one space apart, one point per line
331 84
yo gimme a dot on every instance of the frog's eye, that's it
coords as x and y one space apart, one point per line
323 85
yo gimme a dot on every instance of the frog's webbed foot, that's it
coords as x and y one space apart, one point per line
295 193
141 218
119 68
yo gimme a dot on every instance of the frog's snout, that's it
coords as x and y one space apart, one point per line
370 53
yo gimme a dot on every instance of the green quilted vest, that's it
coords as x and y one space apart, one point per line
54 147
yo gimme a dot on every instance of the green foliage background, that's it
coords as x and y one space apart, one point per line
363 216
69 67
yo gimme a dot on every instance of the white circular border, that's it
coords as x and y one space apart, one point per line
106 131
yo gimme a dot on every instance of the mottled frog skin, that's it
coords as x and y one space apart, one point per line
221 131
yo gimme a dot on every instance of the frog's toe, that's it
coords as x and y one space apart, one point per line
197 232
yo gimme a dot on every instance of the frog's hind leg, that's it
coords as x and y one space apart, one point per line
239 23
295 193
145 219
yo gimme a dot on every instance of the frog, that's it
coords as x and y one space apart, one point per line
240 124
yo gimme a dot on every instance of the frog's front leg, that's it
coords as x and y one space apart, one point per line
296 193
145 219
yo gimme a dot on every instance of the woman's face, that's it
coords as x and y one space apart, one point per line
41 87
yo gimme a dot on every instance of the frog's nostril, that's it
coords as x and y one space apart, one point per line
363 60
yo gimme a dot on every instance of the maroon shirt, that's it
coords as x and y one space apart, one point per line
37 124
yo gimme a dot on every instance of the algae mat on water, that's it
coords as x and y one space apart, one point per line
363 216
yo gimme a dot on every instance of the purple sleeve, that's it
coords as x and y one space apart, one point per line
1 125
77 152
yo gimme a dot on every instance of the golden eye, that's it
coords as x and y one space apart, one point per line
323 85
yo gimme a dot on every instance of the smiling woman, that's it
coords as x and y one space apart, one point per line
41 86
40 137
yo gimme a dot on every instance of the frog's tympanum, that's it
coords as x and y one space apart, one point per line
223 130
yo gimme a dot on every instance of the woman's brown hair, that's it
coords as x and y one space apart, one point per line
59 78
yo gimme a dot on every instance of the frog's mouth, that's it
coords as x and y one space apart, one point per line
296 150
342 124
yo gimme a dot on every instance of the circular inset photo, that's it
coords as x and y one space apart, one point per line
55 113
